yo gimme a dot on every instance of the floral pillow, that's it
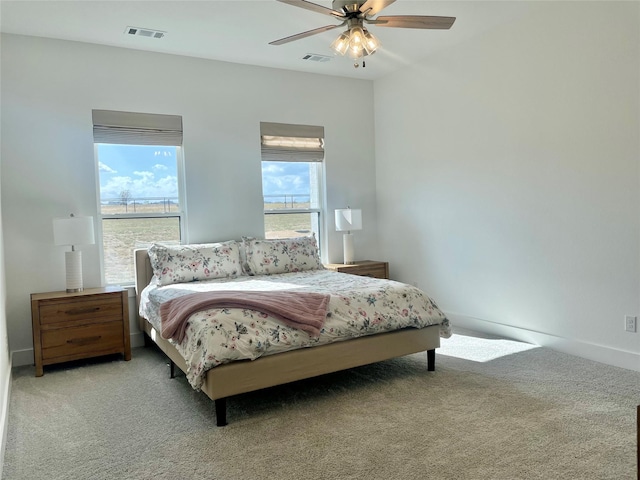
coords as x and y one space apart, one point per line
265 257
188 263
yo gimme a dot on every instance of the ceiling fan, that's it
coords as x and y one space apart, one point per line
357 41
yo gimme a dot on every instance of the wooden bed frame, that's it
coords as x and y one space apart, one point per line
246 376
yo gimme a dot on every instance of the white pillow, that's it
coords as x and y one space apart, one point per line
189 263
265 257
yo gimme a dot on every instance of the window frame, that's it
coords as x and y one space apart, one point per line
297 143
180 214
319 210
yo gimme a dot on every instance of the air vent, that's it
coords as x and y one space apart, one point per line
145 32
314 57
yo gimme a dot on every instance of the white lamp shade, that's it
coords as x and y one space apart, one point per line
73 231
348 219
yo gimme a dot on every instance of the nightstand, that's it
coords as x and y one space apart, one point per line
365 268
72 326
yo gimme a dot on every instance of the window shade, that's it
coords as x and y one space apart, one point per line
283 142
128 128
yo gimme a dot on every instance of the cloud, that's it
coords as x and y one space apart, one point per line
285 184
103 167
271 167
159 166
142 185
285 178
144 174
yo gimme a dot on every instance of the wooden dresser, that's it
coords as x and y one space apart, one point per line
72 326
365 268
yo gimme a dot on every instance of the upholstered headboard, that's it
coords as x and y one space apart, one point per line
144 272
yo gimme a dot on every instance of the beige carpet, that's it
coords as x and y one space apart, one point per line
494 409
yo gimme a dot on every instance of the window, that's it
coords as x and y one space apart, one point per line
292 179
139 159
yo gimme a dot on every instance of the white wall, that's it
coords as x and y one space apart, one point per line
508 178
5 359
49 88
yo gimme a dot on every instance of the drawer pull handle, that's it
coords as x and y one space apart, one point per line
84 341
81 311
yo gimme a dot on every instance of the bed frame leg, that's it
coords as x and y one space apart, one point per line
431 360
147 340
172 368
221 411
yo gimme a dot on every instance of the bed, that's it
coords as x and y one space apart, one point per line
275 353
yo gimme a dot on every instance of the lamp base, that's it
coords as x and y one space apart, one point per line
347 247
73 263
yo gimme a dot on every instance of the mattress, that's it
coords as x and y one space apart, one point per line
358 306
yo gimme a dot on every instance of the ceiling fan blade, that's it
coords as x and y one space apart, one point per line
313 7
414 21
371 7
306 34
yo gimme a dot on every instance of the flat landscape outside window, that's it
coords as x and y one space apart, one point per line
291 199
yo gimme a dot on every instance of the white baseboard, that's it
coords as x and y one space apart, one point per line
599 353
4 413
137 339
591 351
20 358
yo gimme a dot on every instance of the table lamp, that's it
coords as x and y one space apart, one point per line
348 219
73 231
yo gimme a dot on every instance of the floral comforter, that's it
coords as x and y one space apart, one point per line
358 306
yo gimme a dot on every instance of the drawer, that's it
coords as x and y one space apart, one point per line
87 310
374 271
367 268
92 339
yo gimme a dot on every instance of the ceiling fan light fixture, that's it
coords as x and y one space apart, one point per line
371 43
356 40
341 44
355 52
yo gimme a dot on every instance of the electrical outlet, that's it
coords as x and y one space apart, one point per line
630 323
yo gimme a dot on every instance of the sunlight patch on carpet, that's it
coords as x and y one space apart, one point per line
478 349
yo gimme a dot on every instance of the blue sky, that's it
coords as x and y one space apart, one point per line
279 178
153 173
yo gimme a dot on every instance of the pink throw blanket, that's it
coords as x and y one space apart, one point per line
306 311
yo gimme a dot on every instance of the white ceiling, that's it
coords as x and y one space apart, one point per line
239 31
